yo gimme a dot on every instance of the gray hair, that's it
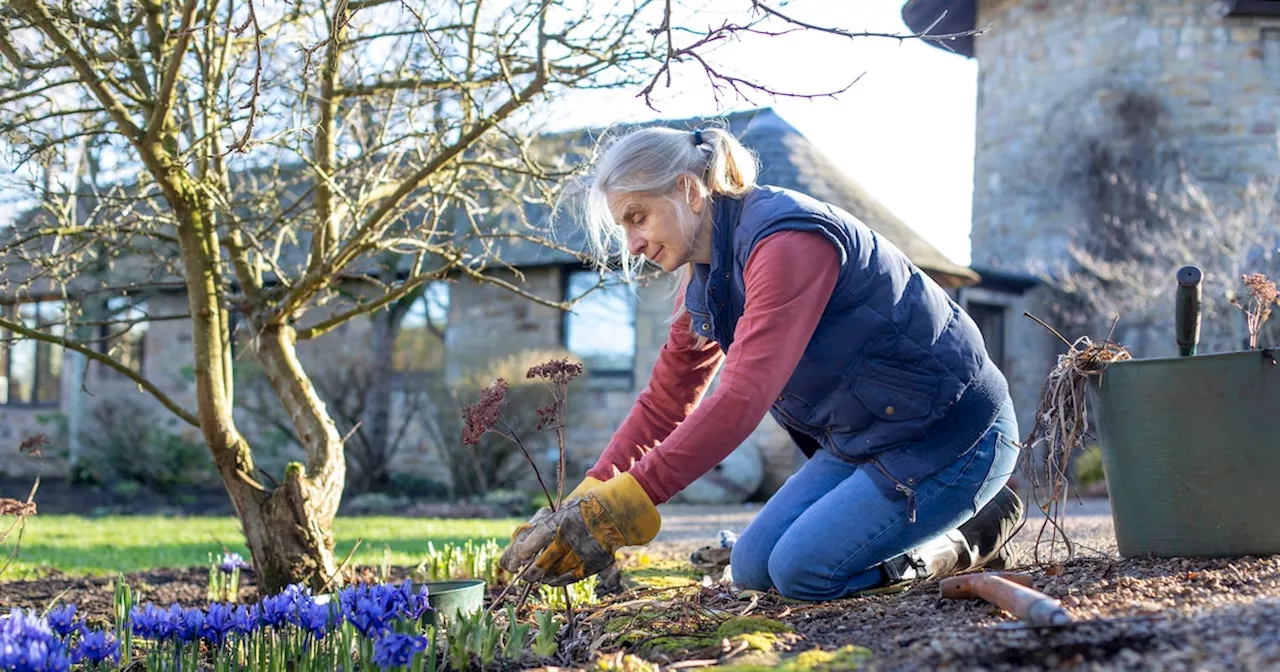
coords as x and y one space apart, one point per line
648 161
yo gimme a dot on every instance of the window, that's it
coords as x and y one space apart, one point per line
123 337
420 344
1252 7
990 319
601 327
32 370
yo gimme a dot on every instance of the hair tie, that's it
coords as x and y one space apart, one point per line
697 138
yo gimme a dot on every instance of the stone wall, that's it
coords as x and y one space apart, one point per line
166 363
1051 72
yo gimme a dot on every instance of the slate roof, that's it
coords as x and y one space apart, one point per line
787 159
961 16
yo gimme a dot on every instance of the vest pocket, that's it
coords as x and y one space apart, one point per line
892 393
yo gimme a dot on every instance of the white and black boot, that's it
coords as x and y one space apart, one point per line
982 542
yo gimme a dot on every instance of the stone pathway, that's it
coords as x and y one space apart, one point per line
686 527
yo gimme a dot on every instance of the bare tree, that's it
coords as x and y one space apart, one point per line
297 166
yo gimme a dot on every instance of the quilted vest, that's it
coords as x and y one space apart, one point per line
896 376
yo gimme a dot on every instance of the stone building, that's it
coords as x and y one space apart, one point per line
618 333
1066 82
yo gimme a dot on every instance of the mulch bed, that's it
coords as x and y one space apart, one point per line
93 595
1131 614
1200 614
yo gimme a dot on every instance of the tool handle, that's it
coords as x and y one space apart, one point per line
1187 318
961 585
1025 603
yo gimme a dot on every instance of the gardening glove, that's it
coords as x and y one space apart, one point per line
587 484
580 539
523 530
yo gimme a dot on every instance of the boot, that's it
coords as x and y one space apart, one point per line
980 543
988 533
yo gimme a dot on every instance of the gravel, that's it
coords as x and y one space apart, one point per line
1131 614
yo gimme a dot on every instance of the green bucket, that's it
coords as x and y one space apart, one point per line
1191 452
448 598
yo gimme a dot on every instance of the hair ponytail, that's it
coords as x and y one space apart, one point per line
649 160
732 168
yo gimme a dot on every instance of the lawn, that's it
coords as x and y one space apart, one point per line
97 546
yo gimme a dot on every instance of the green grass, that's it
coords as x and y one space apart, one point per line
99 546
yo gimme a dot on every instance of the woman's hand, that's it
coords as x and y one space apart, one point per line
579 540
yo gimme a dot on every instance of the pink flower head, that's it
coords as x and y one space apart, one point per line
484 414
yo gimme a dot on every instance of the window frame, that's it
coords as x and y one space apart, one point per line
1252 8
12 312
104 345
402 374
623 377
994 298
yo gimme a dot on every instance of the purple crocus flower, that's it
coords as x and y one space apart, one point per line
370 617
190 624
275 610
232 562
246 619
28 644
220 620
62 620
317 620
396 650
96 647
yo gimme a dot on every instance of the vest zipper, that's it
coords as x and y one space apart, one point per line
900 487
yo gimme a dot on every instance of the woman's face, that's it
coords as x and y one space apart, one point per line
664 228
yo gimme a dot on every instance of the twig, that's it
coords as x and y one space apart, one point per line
339 568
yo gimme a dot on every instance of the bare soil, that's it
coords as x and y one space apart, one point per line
1130 614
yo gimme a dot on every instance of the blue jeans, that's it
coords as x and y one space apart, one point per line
826 530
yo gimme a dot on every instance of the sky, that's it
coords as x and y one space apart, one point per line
904 130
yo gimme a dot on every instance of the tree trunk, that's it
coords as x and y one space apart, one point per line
288 529
384 327
294 526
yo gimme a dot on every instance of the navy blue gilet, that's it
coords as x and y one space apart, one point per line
896 376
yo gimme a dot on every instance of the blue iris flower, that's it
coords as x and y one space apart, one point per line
396 650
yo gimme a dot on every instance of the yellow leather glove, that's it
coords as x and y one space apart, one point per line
586 484
580 539
523 530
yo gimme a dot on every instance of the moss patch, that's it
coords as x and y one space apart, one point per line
751 625
662 573
675 644
760 634
815 660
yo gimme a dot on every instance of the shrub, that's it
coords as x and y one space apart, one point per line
124 442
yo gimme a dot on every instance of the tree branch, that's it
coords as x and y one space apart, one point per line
164 97
38 14
316 275
358 90
922 35
142 382
390 297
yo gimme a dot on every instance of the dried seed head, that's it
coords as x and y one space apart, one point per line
13 507
1261 289
547 415
556 370
32 444
484 414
